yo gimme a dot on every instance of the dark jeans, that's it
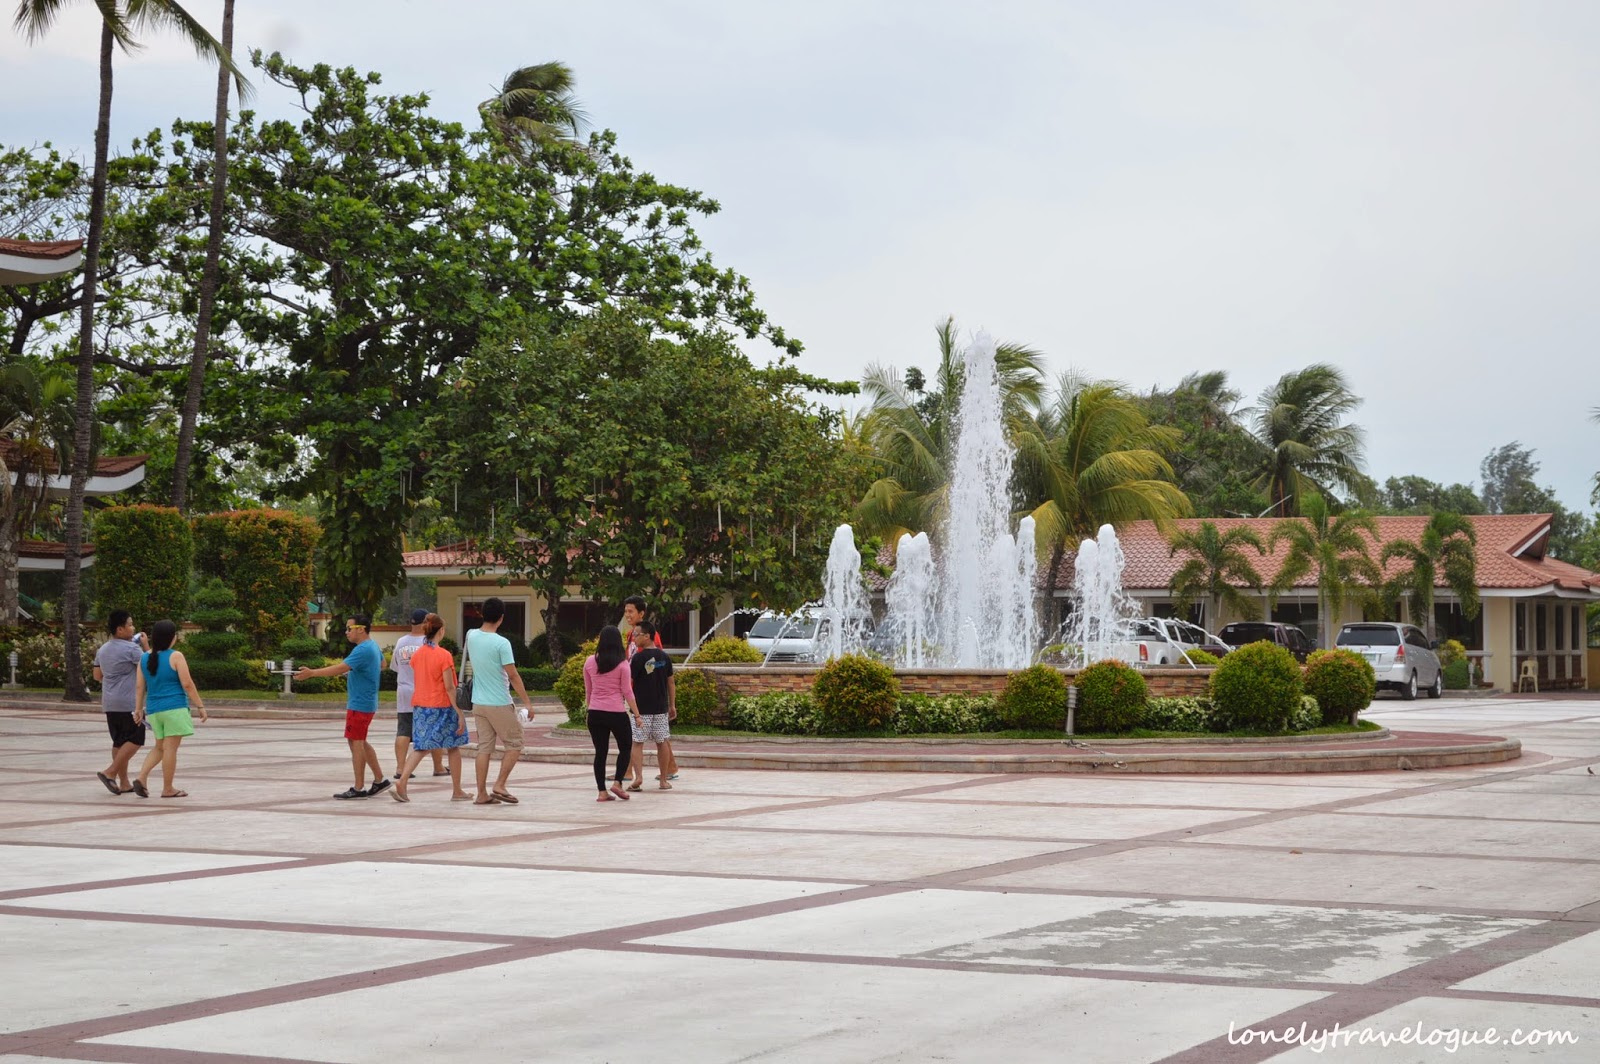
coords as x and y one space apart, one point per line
602 727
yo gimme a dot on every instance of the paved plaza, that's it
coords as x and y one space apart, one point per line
800 916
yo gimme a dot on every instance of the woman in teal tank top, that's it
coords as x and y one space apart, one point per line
162 697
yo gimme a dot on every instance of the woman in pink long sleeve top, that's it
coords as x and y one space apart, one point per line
608 692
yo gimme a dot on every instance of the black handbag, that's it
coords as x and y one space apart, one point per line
463 683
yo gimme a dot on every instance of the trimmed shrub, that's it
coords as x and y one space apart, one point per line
1035 699
856 693
1202 657
1342 682
697 696
945 715
215 613
265 556
1257 687
777 713
257 678
1176 714
1458 675
221 674
1308 716
1452 650
569 682
299 648
1111 697
42 659
143 557
538 679
725 650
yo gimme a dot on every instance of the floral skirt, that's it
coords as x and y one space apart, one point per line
435 729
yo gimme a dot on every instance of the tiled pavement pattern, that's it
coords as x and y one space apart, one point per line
800 916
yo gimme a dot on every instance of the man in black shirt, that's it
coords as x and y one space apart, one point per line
656 693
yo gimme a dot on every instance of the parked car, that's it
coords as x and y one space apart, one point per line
788 639
1164 642
1402 657
1292 639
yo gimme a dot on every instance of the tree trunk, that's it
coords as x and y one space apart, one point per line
209 278
83 417
9 590
551 613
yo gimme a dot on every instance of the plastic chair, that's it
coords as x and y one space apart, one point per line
1530 671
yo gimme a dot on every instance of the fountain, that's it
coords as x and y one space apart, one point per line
1102 610
846 614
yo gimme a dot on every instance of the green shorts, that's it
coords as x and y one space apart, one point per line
170 723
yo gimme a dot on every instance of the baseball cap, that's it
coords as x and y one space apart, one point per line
418 615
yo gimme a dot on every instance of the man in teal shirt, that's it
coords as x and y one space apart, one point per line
494 673
362 666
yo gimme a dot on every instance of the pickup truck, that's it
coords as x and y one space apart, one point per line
1156 642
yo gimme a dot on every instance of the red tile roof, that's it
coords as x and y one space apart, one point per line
39 249
1151 565
39 548
451 556
114 466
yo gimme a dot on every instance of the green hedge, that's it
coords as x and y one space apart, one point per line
538 679
265 556
1342 682
946 715
1111 697
856 693
143 557
777 713
696 694
1257 688
1458 675
1177 714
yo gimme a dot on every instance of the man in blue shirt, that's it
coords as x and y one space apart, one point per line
362 665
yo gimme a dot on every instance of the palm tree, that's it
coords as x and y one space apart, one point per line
1447 548
119 19
189 418
909 432
1300 421
1216 570
534 108
35 440
1334 549
1093 459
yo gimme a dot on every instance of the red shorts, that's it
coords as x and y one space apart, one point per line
356 724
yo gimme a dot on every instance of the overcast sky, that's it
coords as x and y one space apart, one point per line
1406 190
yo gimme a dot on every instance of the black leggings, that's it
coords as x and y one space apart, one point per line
602 727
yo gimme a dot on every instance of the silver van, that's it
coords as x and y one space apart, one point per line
1401 656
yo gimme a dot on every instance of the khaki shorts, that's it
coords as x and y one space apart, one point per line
497 722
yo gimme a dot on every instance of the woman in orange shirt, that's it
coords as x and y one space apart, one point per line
437 723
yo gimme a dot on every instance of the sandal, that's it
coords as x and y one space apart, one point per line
616 789
606 796
509 799
176 794
461 797
666 786
111 784
140 789
636 785
491 800
397 796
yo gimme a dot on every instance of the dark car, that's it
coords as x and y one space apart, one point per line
1287 636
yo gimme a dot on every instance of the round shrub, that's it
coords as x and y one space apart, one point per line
143 557
1452 650
1257 687
856 693
220 674
1458 675
697 696
1202 657
1035 699
569 682
1342 682
1111 697
725 650
299 648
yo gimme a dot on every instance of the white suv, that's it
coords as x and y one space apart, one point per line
1400 655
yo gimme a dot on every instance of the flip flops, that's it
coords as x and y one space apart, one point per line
606 796
616 789
140 789
636 785
176 794
111 784
491 800
397 796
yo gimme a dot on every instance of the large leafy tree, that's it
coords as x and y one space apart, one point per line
1509 487
121 21
1334 550
1309 446
36 408
910 430
1445 552
1215 455
1217 569
375 247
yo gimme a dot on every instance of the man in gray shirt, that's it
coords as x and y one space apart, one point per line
116 668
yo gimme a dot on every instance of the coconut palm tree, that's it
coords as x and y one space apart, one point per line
910 432
535 107
1447 548
120 22
1333 548
36 408
1217 569
1300 421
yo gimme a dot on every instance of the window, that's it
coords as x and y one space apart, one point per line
1369 635
1561 628
1522 627
1540 628
1302 615
1579 629
1169 609
515 623
1451 623
581 620
673 628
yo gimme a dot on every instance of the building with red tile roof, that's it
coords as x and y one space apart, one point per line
34 261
